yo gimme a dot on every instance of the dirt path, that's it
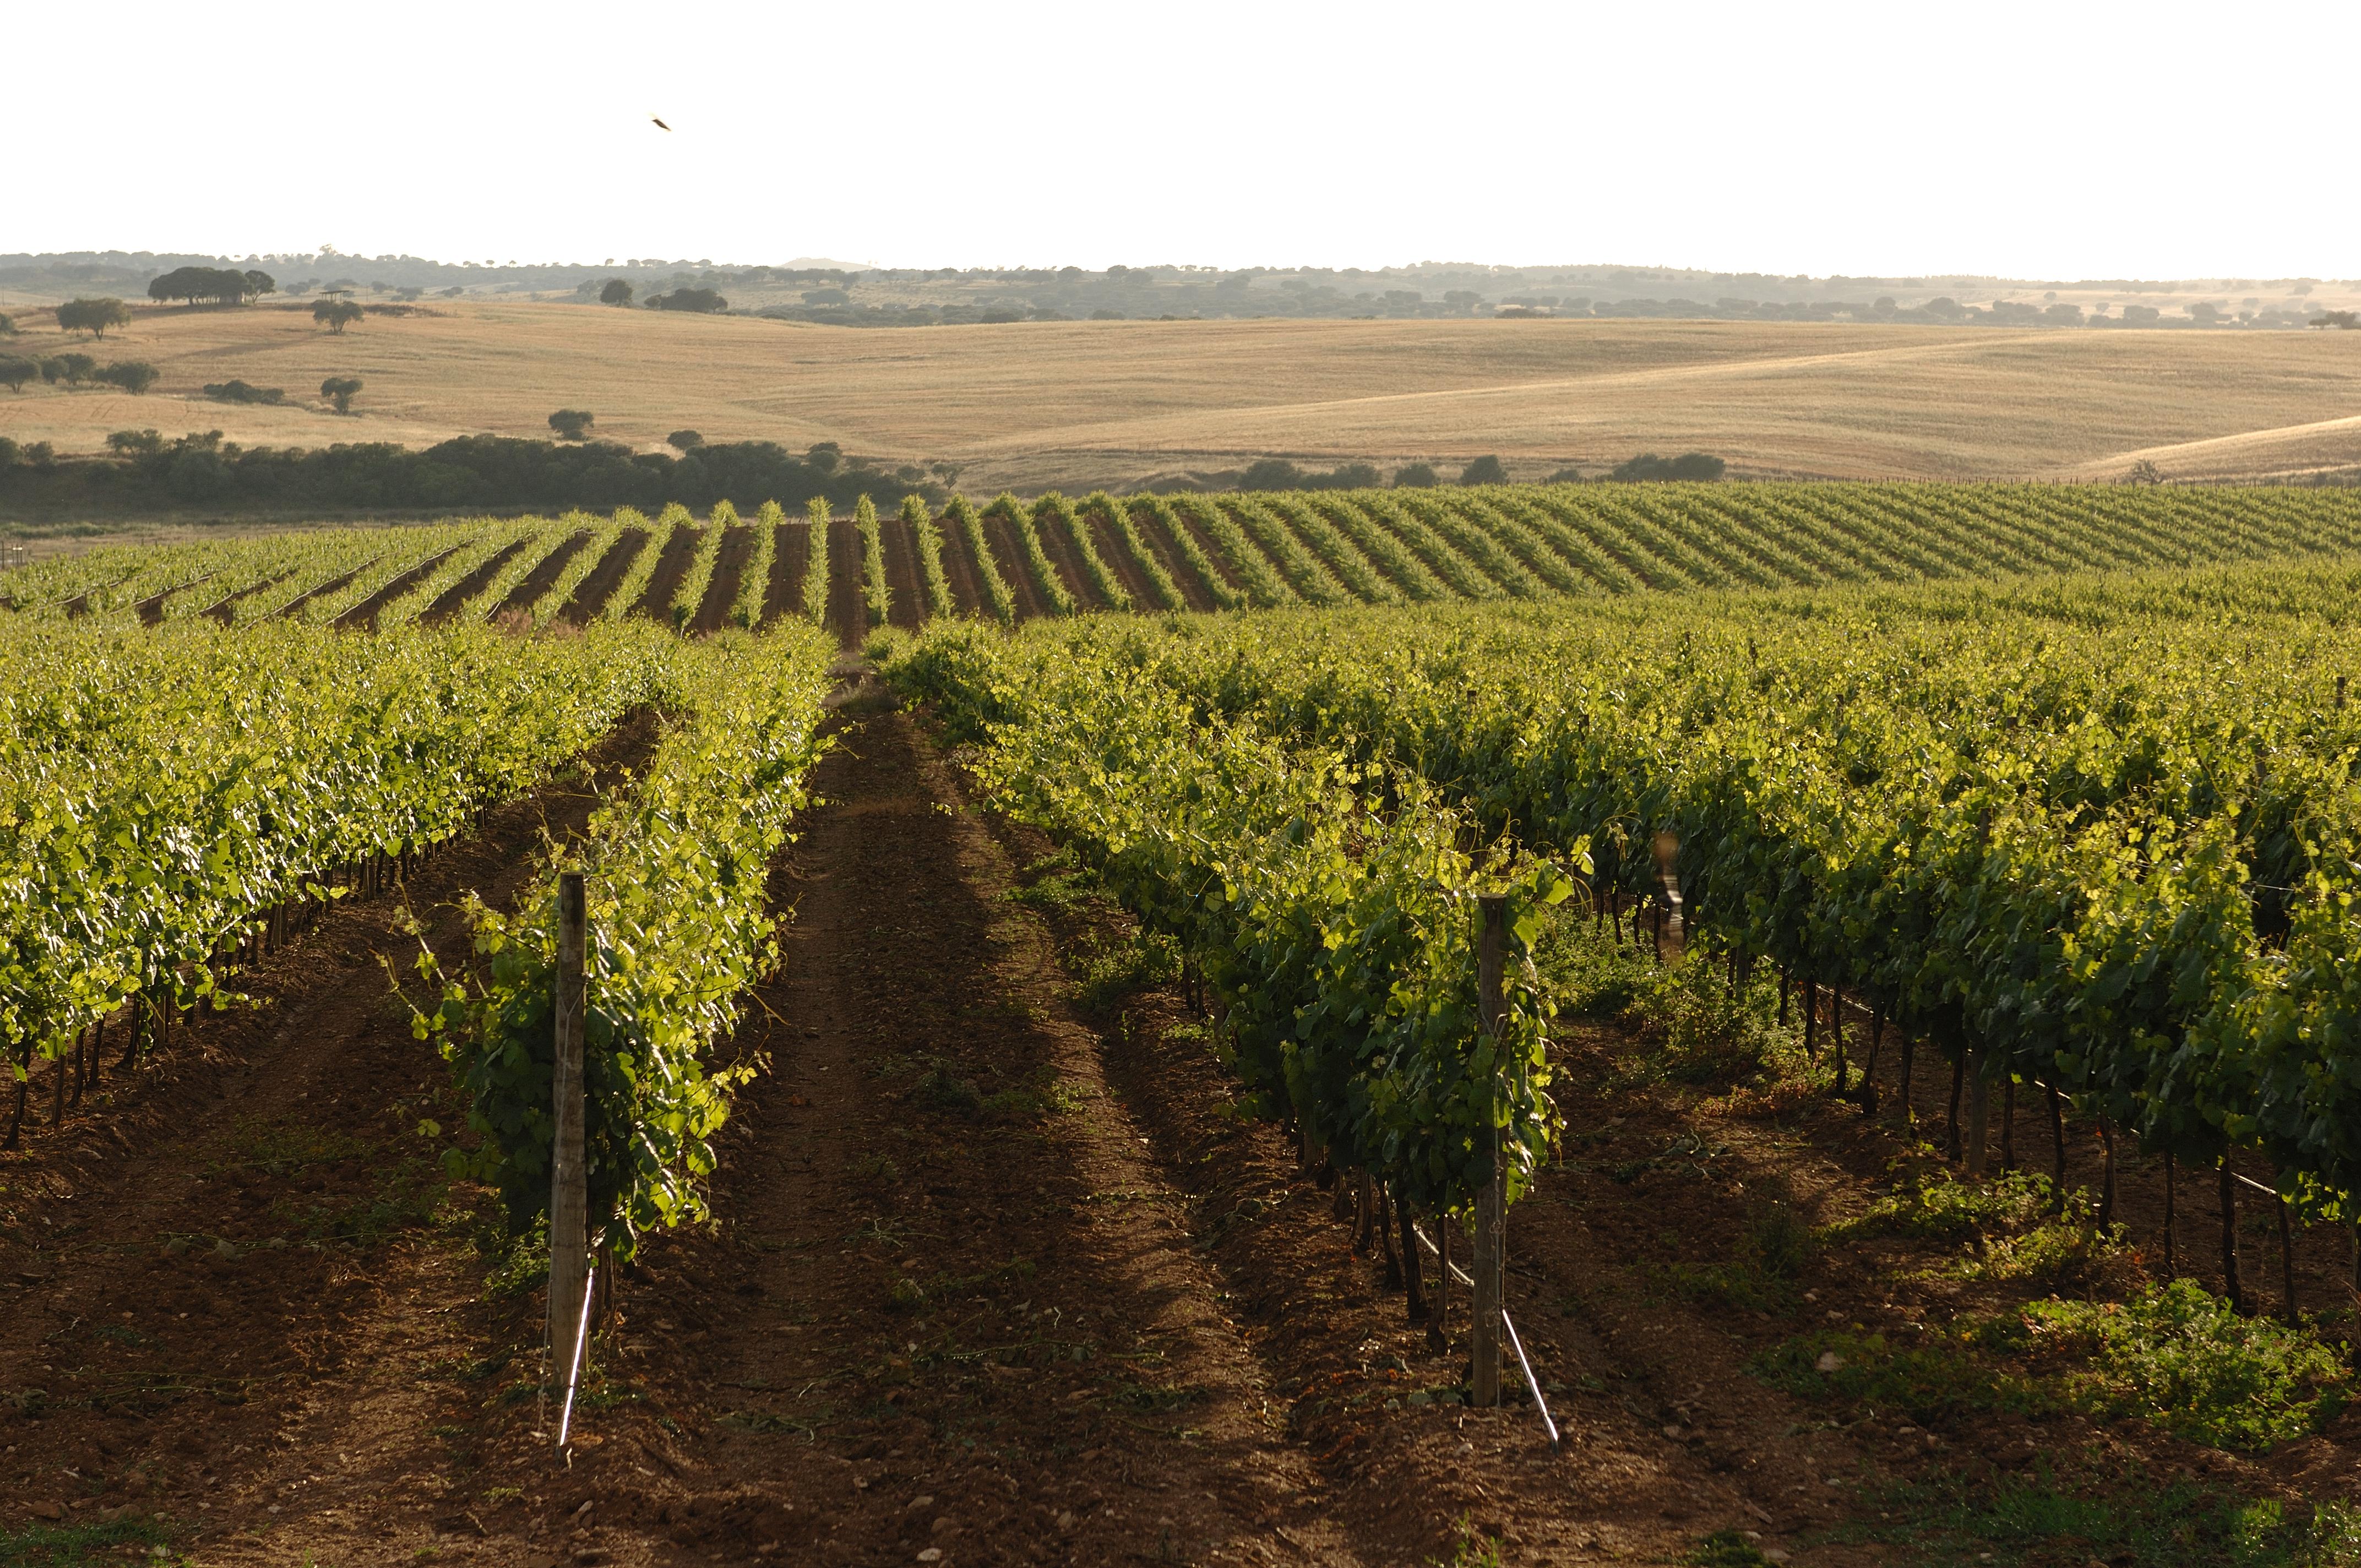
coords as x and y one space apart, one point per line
952 1305
787 566
1116 553
906 598
592 594
544 575
1015 570
729 570
959 568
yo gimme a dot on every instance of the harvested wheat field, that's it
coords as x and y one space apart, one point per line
1082 404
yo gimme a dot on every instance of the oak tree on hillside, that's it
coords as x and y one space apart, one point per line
134 376
615 293
685 440
1484 471
339 390
572 424
93 316
15 370
336 315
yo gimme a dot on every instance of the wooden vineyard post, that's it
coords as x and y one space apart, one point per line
569 1200
1979 1110
1491 1203
2230 1284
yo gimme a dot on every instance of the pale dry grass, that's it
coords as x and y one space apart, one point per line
1076 404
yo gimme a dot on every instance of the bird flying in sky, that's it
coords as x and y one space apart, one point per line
659 123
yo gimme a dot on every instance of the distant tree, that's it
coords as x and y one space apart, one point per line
2144 472
1484 471
1461 299
824 456
235 391
8 324
1104 314
134 443
615 293
2142 315
2342 320
703 300
73 369
2203 314
1271 474
1416 477
7 453
340 391
336 314
1943 308
572 424
134 376
685 440
1649 467
15 370
1564 476
222 285
93 316
947 473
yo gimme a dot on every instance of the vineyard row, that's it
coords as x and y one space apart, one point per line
1018 561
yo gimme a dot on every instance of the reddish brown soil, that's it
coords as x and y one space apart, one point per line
223 609
671 569
1015 570
544 575
364 614
787 566
722 593
447 603
295 605
151 609
1058 544
848 614
907 593
1213 549
1117 555
959 566
591 594
1184 577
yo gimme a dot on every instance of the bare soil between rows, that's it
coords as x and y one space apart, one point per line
997 1275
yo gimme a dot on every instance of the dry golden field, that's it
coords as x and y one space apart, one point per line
1032 405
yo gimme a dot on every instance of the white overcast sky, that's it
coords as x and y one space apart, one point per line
2054 140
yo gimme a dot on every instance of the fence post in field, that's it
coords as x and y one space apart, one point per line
1484 1319
569 1200
1979 1112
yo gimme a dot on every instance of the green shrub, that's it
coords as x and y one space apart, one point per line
2178 1356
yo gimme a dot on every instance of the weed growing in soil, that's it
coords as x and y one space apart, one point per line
1929 1205
2033 1520
2178 1356
1698 1028
68 1546
1472 1549
1928 1382
1762 1277
1727 1549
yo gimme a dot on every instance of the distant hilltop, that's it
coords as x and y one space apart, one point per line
821 289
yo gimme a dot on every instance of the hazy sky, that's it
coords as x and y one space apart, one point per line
2050 140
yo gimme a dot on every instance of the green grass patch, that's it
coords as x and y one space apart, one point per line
1929 1381
68 1545
2177 1355
1931 1206
2036 1522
